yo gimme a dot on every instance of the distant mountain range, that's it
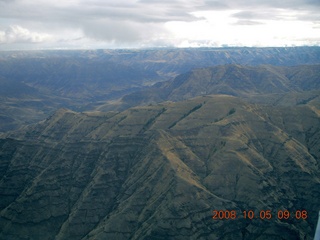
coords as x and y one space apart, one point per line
35 84
235 80
158 172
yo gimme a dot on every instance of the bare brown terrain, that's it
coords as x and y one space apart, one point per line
158 172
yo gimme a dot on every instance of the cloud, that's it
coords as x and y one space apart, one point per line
142 22
127 11
257 14
287 4
215 5
18 34
120 21
122 31
248 22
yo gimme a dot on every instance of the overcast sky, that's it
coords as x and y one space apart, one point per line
70 24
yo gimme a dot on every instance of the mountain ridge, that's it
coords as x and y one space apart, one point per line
136 175
236 80
44 81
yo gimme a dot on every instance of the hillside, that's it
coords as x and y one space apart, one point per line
235 80
34 84
158 172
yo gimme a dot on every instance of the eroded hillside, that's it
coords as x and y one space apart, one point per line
251 82
158 172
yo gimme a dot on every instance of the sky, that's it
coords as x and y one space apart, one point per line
96 24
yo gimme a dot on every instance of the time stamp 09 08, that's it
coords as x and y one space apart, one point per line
262 214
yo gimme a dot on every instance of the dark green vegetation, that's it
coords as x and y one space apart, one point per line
227 137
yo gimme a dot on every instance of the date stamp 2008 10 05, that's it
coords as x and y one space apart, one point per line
262 214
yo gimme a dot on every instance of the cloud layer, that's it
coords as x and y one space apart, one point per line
17 34
149 23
